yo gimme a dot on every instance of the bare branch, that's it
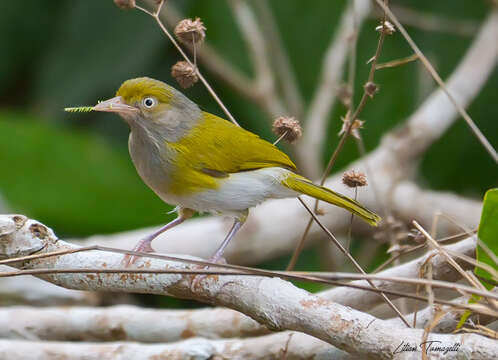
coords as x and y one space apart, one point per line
448 322
123 322
301 347
441 270
259 52
316 119
282 65
487 36
434 22
271 301
33 291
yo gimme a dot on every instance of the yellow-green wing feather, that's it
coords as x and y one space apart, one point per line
216 146
305 186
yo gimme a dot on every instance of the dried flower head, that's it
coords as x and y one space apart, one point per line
371 88
354 179
386 27
357 124
184 73
125 4
288 128
188 31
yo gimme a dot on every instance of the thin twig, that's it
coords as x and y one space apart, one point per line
187 59
434 244
353 261
282 66
473 127
350 121
259 55
460 236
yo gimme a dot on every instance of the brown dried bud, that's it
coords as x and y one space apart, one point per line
288 128
190 31
357 124
125 4
386 27
184 73
354 179
371 88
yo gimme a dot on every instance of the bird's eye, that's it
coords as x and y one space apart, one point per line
149 102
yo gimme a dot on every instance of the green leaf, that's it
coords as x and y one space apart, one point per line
473 299
488 234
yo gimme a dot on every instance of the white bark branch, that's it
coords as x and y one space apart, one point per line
148 325
315 124
301 346
124 322
271 301
425 126
36 292
361 300
448 322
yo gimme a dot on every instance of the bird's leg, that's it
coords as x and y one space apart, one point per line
144 245
237 224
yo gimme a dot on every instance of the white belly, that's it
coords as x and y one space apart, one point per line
239 192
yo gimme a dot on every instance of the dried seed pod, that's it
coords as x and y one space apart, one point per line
184 73
354 179
371 88
188 31
386 27
288 127
125 4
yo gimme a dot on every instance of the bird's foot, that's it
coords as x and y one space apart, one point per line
196 279
143 245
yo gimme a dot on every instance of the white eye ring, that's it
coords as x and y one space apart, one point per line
149 102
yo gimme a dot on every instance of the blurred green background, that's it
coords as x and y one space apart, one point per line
73 172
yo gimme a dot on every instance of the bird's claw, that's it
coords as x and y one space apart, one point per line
142 246
196 279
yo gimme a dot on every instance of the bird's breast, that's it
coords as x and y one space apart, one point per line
153 163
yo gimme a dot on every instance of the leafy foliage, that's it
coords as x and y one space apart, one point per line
488 234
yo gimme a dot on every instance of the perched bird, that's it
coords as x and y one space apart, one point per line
200 162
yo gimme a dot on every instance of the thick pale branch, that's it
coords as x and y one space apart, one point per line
300 346
441 270
316 120
271 301
448 322
259 52
33 291
426 125
135 324
281 62
124 322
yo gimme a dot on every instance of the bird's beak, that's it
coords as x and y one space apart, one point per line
116 105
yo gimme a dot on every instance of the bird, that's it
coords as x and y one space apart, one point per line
200 162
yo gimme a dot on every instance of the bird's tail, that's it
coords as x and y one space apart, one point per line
305 186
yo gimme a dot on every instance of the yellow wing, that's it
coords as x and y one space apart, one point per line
216 148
